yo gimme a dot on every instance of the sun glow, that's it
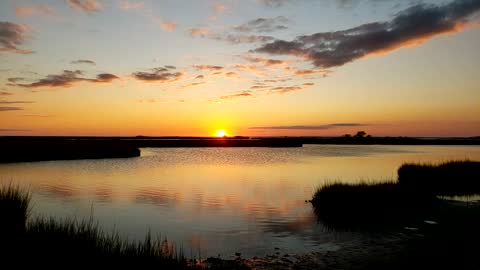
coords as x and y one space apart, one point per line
220 133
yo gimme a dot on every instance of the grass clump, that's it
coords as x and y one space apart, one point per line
453 178
368 205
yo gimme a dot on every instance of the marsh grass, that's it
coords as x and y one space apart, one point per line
452 178
414 197
53 239
369 205
14 209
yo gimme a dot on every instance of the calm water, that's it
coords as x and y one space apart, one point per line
216 200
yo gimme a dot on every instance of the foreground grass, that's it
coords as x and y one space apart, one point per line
54 239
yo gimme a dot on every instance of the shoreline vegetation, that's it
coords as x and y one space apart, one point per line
410 226
446 232
47 148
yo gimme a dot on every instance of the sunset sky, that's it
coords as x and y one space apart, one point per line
250 67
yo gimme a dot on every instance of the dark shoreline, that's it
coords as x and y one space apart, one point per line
46 148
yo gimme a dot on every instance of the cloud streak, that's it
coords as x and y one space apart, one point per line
67 79
312 127
6 109
263 25
85 5
25 11
13 35
161 74
83 61
410 27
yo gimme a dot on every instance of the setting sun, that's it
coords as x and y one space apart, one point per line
220 133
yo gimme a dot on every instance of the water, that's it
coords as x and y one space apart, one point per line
215 201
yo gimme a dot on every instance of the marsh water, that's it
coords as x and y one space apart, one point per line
216 201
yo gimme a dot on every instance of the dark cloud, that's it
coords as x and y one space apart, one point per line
85 5
170 67
208 67
13 35
308 127
5 109
5 93
199 77
409 27
15 79
83 61
263 25
67 78
160 74
15 102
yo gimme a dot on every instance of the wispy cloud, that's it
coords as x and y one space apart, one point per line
85 5
217 9
264 61
410 27
160 74
13 35
131 5
313 127
83 61
2 93
199 32
6 109
168 26
194 84
263 25
41 9
15 102
208 67
67 79
14 129
229 98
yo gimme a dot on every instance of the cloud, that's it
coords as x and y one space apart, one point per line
158 75
168 26
151 100
25 11
131 5
6 109
85 5
15 102
14 130
2 93
284 89
13 35
303 72
239 38
410 27
264 61
83 61
194 84
199 77
199 32
314 127
263 25
274 3
15 79
38 115
229 98
208 67
253 69
67 79
204 32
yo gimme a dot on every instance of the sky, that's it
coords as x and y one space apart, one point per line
249 67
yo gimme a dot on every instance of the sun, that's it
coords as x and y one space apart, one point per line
220 133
